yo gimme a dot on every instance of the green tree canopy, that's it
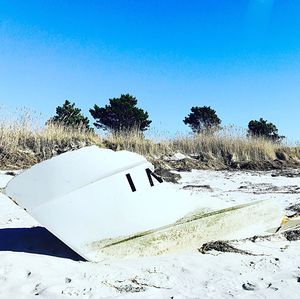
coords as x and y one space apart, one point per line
202 120
121 114
70 116
262 128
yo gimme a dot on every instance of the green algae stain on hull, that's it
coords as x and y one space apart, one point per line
190 233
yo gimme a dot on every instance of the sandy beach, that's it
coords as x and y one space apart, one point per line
35 263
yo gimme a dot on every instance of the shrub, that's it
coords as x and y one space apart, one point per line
262 128
203 120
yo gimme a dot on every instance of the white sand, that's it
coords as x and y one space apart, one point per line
29 266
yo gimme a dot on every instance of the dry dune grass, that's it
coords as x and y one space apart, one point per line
236 148
136 142
22 144
242 148
228 142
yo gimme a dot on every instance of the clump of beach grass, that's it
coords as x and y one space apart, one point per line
24 143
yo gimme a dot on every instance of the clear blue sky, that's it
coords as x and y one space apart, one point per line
241 57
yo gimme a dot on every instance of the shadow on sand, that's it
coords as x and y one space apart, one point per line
35 240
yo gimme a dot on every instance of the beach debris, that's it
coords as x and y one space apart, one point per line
294 208
197 187
167 175
292 235
289 173
249 286
221 246
11 173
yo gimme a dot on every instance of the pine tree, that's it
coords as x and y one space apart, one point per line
264 129
121 115
69 116
202 120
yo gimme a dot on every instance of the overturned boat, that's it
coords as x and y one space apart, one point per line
106 205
